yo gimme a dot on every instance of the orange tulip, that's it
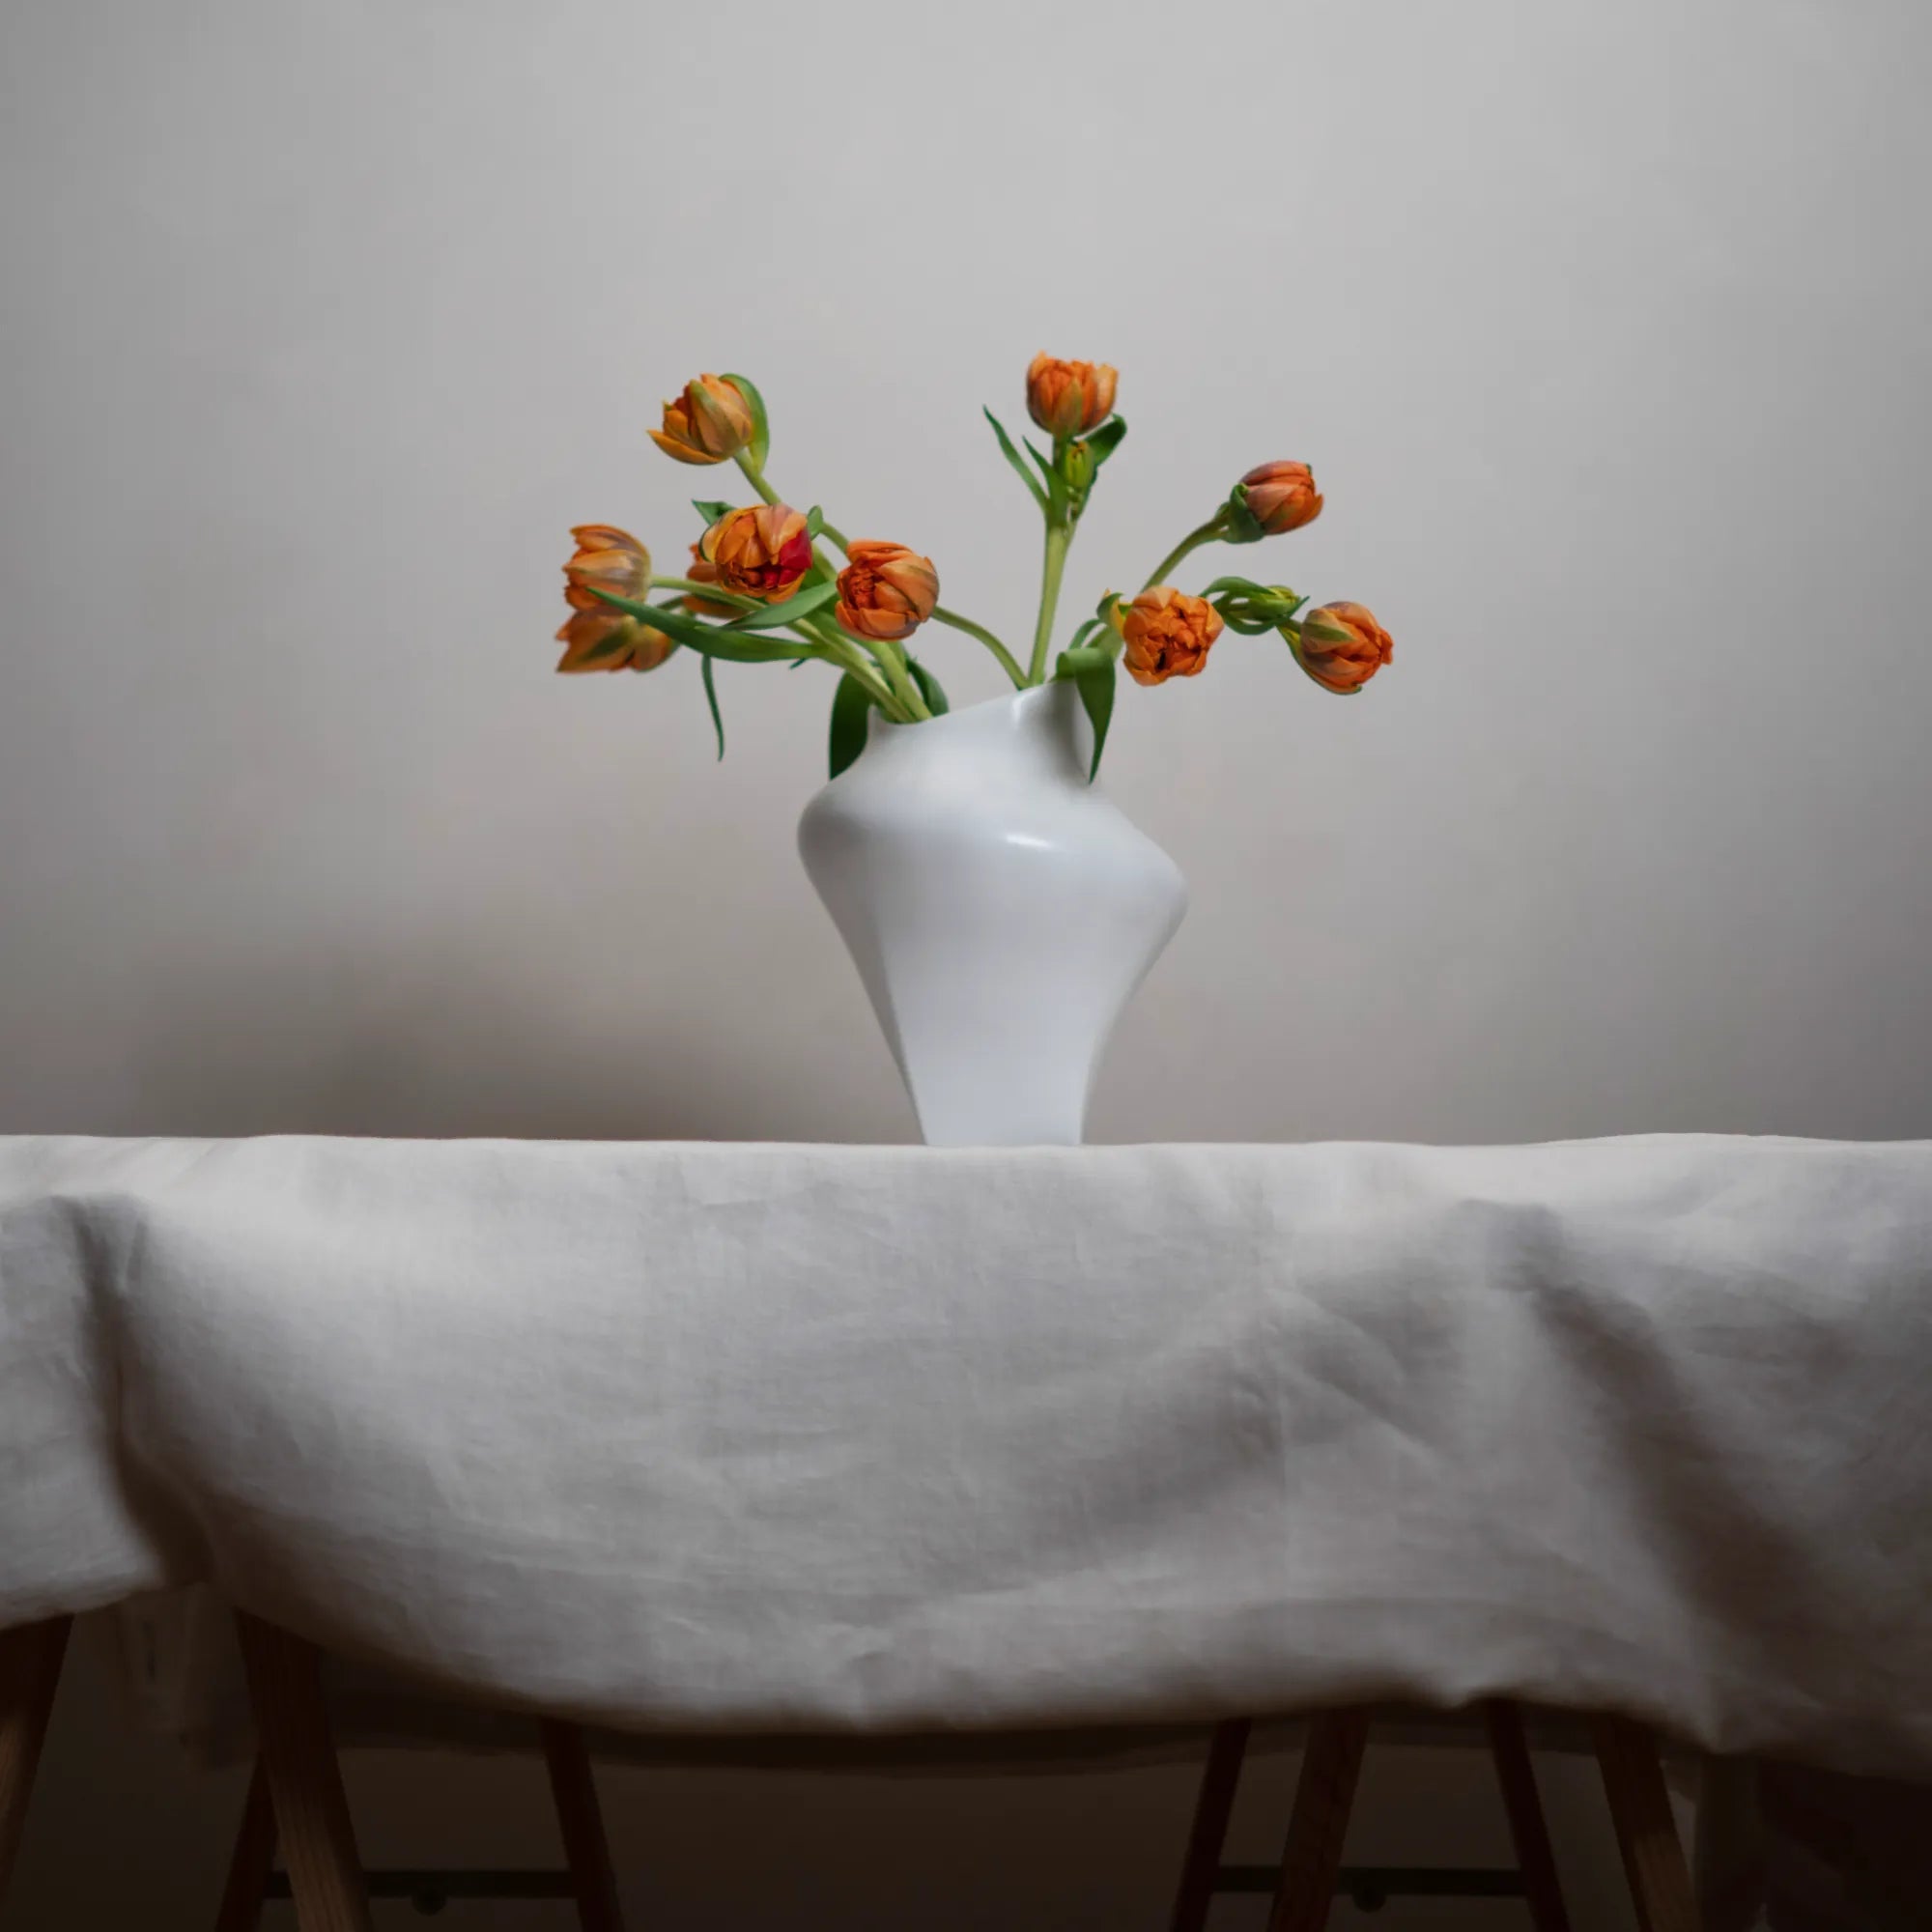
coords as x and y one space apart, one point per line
885 591
1281 497
1168 634
761 552
605 559
586 635
594 636
701 572
1342 645
710 421
1069 398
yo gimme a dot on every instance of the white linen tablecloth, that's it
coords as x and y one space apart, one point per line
715 1437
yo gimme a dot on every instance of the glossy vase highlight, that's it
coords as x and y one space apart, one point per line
1000 910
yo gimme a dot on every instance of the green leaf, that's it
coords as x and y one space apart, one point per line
1248 627
1239 523
713 640
1252 608
929 688
612 646
1091 671
711 698
761 427
709 510
1106 440
851 717
1085 631
815 522
1013 457
813 597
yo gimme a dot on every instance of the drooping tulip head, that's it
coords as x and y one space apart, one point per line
596 636
608 640
1341 646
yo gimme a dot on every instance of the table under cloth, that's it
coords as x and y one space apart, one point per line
838 1439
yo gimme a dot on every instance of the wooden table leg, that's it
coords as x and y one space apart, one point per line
252 1859
1529 1833
1654 1861
30 1667
1324 1797
1212 1809
305 1782
573 1789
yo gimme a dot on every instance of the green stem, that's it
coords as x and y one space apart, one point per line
893 662
756 476
1207 534
707 590
890 684
874 678
1008 662
1059 534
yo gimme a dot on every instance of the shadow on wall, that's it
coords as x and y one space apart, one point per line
373 1047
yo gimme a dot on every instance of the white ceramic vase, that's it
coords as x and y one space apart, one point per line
1000 910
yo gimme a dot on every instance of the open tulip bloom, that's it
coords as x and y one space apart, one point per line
760 588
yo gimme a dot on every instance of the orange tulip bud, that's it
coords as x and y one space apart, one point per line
761 552
885 591
595 636
1069 398
710 421
1168 634
1342 646
1281 497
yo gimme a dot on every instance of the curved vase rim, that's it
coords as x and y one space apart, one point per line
1017 703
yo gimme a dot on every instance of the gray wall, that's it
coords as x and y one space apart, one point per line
1604 326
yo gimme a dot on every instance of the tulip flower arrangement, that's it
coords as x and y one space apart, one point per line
759 587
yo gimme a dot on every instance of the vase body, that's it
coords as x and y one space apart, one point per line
1001 911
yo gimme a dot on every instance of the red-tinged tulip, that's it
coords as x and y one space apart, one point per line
761 552
1342 646
885 591
1069 398
710 421
1280 496
1168 634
